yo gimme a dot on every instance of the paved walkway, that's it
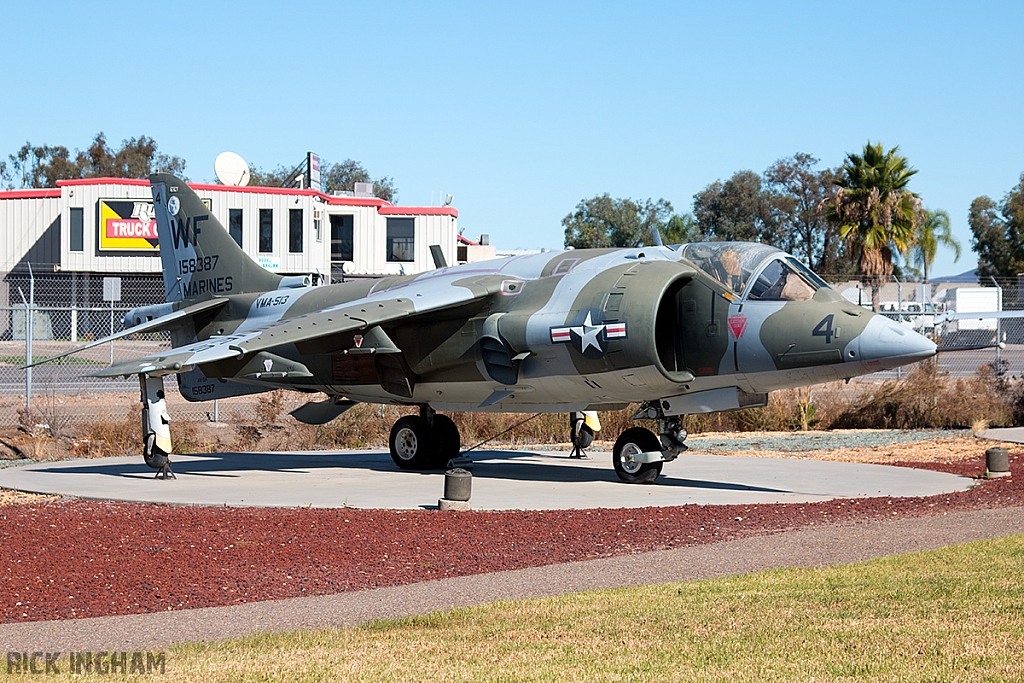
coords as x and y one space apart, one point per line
819 546
1010 434
502 480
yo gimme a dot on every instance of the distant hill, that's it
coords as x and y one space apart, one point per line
966 277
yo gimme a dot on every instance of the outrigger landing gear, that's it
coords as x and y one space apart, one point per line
156 430
639 455
581 435
425 441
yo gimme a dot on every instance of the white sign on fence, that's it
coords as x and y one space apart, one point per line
111 289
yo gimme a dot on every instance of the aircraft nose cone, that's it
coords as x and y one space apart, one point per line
885 344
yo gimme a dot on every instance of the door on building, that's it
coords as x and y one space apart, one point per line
341 245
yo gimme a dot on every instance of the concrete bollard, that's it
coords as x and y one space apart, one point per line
458 486
997 463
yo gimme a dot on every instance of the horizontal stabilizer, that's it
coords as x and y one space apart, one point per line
164 322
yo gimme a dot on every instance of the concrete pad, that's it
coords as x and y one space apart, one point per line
1009 434
502 480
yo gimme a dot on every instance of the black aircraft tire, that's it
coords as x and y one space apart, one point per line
586 436
413 443
448 438
153 455
636 440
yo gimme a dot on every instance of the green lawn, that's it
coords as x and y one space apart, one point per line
952 614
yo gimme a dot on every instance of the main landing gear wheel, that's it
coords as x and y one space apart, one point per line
414 444
449 441
633 442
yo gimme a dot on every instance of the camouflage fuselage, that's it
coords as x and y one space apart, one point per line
565 331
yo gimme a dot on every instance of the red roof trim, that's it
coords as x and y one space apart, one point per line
102 181
293 191
466 240
383 207
356 201
30 194
418 211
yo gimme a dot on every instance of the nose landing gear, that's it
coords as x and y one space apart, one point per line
639 454
581 432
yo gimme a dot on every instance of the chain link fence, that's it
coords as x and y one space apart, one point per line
65 310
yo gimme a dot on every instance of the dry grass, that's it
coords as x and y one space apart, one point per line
926 399
112 437
11 497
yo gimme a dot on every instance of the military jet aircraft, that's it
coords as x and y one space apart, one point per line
679 330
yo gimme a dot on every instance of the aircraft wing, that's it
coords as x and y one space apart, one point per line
164 322
352 316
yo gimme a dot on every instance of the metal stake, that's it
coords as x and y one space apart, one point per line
999 328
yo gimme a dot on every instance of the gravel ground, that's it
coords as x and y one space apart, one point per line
817 441
72 559
15 463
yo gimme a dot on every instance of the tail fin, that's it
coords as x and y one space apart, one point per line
199 257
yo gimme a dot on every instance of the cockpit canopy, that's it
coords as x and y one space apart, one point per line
760 271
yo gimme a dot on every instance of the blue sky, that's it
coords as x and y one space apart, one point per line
521 110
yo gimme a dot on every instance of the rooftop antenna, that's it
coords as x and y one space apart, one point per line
231 169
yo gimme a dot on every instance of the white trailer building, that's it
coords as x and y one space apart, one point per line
74 235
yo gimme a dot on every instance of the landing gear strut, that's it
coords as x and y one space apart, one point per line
156 430
425 441
639 454
581 435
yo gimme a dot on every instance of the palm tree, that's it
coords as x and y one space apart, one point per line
875 211
932 230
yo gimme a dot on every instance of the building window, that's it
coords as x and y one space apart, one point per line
402 239
295 230
341 239
266 231
77 229
235 225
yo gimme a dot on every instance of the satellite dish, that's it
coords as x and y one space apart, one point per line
231 169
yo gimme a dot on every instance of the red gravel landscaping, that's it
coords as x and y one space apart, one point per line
65 560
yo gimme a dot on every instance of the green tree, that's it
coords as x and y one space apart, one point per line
793 191
43 165
276 177
344 176
934 229
339 177
735 210
605 222
681 228
875 211
998 231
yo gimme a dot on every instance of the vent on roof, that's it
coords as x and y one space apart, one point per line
363 190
